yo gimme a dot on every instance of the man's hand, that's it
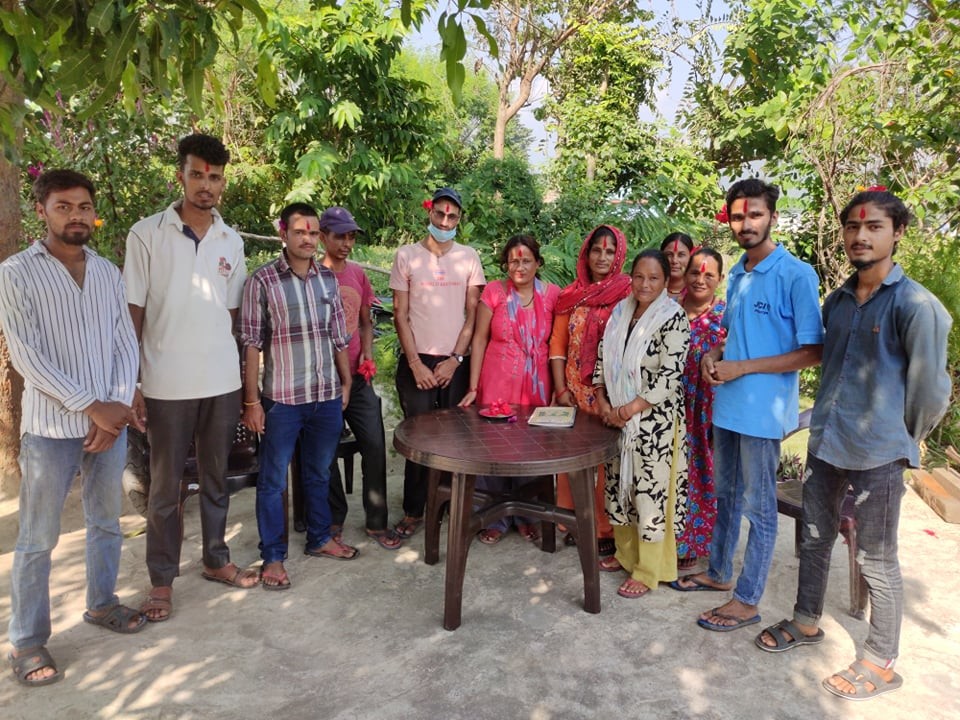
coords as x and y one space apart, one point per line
110 416
98 440
708 369
345 388
139 411
443 372
725 371
423 375
253 418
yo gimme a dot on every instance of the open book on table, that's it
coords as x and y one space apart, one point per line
554 416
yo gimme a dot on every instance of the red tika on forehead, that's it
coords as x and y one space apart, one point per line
517 254
703 266
207 167
676 245
863 211
606 245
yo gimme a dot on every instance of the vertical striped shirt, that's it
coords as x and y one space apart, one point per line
298 324
72 345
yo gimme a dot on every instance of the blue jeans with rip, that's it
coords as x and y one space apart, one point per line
745 473
318 425
48 467
878 494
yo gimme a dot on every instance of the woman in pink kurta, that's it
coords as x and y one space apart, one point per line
510 352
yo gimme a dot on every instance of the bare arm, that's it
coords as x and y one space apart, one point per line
481 336
136 314
401 320
444 370
366 334
803 357
342 361
253 418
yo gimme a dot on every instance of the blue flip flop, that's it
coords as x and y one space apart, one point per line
697 585
707 625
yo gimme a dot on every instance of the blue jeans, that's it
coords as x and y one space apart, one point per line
318 424
48 467
878 493
745 474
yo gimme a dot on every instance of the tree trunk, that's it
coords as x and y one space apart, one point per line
500 132
11 384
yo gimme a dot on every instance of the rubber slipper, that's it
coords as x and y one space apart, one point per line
158 603
408 527
282 581
610 564
352 552
716 627
118 619
624 591
490 537
387 539
859 675
529 532
232 580
30 660
697 585
779 634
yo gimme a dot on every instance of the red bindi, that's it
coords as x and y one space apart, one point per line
605 246
517 254
207 167
676 245
703 267
863 211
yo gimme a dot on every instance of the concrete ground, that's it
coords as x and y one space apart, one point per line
364 639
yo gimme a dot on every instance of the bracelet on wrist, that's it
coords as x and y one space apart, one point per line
561 391
620 415
473 390
251 404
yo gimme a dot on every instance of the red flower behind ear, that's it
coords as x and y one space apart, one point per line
428 204
723 216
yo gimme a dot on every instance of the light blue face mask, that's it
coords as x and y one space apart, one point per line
442 236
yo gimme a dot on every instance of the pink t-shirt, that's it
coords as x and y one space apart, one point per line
356 292
438 292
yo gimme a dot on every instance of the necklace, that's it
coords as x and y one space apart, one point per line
529 302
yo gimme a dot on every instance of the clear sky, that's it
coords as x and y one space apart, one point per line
668 98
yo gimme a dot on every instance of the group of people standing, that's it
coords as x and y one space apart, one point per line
702 390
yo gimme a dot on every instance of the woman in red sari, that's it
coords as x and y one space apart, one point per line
580 317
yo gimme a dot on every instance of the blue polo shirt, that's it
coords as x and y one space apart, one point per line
771 310
885 383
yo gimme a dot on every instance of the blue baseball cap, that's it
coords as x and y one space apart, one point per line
338 220
448 193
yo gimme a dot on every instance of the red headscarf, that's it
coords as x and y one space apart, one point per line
600 297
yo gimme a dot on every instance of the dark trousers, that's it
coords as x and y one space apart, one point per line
171 426
365 418
416 402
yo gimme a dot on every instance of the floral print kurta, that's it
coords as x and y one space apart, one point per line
659 455
705 334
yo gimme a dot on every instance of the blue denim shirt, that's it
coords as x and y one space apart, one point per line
884 384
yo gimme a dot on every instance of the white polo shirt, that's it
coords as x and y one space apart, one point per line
187 290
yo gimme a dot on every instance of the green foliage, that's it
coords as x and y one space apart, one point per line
54 49
501 199
347 128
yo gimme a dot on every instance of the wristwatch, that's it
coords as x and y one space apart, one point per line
458 358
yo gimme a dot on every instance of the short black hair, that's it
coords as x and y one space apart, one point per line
751 188
528 241
656 255
709 252
297 208
57 180
892 206
677 237
206 147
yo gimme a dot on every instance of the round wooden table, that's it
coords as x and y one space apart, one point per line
460 442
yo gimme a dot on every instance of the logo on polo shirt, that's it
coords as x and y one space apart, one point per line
761 308
224 267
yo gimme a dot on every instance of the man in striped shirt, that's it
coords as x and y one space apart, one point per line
63 313
292 312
